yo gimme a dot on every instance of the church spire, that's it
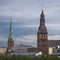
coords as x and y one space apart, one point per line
42 14
10 30
10 38
42 18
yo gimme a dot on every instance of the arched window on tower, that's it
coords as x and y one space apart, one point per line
42 40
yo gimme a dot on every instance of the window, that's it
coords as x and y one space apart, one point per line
43 45
43 40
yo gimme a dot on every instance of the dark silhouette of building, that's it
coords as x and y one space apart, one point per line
42 35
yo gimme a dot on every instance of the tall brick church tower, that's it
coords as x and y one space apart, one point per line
10 38
42 35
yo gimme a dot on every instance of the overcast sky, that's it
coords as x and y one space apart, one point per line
25 16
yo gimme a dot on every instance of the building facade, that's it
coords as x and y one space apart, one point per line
3 50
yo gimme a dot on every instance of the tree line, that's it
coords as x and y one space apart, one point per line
13 57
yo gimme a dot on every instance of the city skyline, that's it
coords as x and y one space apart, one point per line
25 16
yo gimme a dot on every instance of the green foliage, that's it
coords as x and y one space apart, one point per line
44 57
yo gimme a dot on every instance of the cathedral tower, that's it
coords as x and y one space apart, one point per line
42 35
10 38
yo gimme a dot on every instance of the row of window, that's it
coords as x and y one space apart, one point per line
43 36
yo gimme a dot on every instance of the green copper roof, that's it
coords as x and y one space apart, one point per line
10 31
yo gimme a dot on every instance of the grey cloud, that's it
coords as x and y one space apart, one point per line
29 8
5 2
27 39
